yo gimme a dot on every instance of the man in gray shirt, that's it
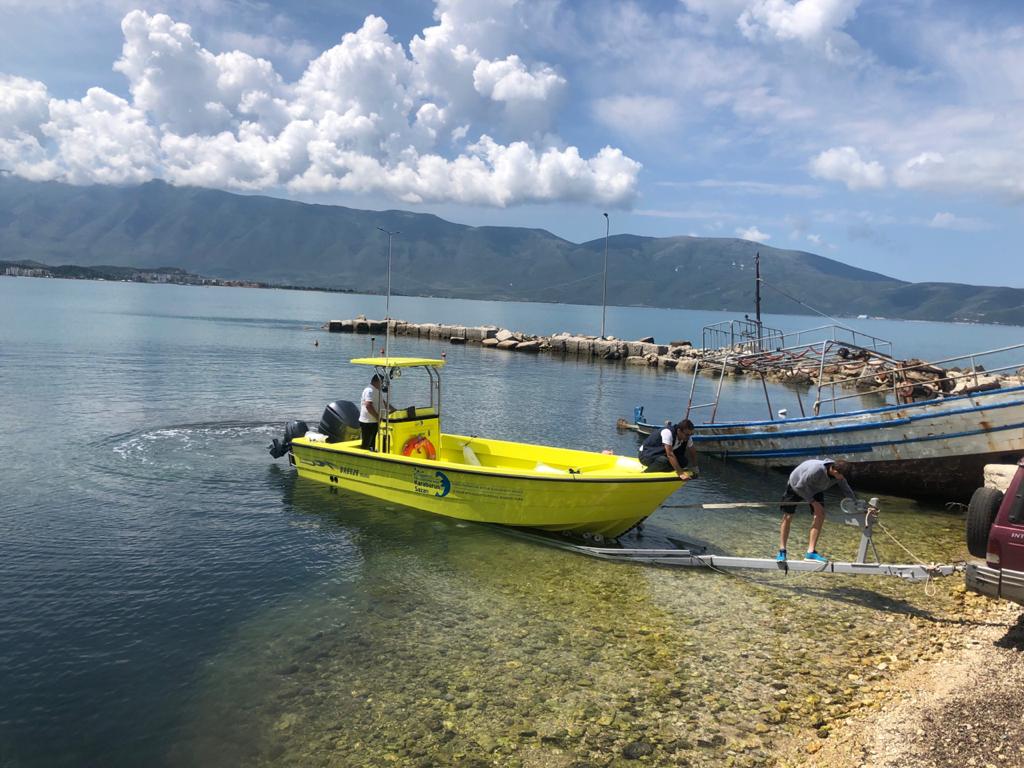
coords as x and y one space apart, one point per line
808 482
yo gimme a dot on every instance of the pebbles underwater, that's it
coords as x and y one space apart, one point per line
456 645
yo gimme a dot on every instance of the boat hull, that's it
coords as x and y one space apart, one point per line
931 449
609 498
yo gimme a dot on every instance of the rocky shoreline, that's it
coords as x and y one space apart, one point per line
958 706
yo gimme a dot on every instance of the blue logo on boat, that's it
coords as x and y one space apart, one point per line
446 484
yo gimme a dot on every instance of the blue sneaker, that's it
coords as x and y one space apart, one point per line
815 557
781 557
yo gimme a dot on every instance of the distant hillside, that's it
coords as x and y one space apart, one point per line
238 237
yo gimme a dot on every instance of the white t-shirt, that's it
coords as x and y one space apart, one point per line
370 395
668 437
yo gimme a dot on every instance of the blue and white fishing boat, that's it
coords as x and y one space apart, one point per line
931 429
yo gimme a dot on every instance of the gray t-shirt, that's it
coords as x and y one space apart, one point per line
812 477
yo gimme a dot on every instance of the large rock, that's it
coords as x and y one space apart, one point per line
528 346
647 340
665 361
998 476
686 365
508 344
640 348
557 344
639 360
504 334
490 343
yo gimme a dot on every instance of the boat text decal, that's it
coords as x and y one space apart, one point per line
431 483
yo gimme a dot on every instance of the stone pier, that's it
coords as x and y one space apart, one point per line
679 355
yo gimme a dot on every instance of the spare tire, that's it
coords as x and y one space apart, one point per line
981 513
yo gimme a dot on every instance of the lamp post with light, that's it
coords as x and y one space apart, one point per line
604 295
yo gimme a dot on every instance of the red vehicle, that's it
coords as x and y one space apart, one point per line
995 531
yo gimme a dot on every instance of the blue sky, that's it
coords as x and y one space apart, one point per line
884 134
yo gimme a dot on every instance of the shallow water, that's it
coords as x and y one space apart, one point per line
170 595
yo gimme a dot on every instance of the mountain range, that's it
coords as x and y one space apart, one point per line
247 237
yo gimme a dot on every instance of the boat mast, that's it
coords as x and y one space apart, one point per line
757 297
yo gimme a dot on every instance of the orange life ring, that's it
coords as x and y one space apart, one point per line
419 444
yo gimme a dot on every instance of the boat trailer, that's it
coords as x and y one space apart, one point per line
693 556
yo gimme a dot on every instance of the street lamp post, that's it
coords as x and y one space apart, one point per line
604 295
387 300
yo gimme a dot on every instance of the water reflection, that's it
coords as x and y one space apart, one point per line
451 643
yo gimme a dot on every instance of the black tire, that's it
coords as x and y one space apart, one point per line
981 513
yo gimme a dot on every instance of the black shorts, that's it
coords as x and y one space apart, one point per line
791 498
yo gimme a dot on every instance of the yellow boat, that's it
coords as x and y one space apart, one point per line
472 478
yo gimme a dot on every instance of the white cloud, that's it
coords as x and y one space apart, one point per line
752 233
183 86
845 164
102 139
509 80
489 173
804 20
364 117
23 106
975 169
946 220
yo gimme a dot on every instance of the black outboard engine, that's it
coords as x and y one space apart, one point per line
340 421
279 448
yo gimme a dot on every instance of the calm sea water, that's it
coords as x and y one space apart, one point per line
169 595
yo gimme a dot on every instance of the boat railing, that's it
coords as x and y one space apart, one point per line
841 334
730 341
741 336
814 347
817 355
940 381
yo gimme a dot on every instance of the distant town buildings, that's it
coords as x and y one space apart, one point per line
122 274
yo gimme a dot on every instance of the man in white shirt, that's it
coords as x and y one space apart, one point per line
370 405
671 450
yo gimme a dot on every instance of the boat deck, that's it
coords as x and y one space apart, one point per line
477 454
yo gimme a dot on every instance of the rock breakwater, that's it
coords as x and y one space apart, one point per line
911 379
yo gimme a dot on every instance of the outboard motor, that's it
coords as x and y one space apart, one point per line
279 448
340 421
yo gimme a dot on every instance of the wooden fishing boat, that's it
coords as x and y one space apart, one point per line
932 432
472 478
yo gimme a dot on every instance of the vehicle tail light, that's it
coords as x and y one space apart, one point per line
992 556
